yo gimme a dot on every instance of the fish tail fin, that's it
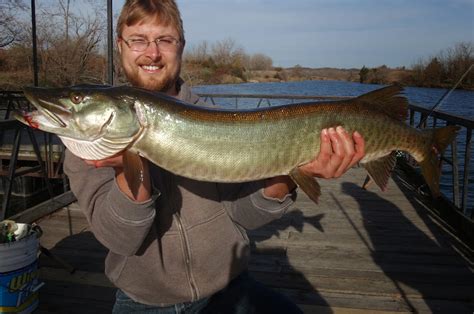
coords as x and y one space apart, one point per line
430 165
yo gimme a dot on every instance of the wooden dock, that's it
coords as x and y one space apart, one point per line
356 252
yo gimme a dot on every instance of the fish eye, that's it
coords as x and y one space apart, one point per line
76 98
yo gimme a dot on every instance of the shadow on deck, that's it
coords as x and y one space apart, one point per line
356 252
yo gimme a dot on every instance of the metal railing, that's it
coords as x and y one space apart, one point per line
460 162
12 146
264 98
12 100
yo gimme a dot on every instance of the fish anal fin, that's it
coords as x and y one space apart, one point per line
380 169
307 183
133 170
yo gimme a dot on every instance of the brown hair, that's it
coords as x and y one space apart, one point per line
135 11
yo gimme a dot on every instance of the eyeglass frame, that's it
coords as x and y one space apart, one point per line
176 43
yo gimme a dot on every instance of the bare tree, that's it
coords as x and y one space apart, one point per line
224 51
10 29
198 54
457 60
433 72
379 75
259 61
69 44
445 68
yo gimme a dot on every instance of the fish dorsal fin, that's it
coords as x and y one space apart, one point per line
380 169
388 101
308 184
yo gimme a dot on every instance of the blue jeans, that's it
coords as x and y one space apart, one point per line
243 295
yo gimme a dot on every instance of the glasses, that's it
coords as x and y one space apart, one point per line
163 43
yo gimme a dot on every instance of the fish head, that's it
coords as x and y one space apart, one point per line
93 121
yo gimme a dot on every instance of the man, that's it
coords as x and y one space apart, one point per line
178 245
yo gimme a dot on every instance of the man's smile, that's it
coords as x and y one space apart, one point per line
151 68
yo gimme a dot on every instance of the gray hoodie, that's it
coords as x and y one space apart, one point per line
185 243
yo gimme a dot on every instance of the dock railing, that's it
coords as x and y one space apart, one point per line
457 159
24 156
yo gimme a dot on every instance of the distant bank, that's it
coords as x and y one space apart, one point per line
379 75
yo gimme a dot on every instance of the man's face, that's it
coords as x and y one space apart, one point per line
154 68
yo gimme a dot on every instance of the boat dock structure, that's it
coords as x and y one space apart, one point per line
356 251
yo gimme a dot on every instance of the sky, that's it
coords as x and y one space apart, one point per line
331 33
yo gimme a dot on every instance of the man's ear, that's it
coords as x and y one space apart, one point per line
183 43
119 46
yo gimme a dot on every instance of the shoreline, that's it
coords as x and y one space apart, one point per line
384 76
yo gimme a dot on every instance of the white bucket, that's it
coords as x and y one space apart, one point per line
19 275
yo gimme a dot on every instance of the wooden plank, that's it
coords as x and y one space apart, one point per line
371 238
376 303
81 241
34 213
457 277
66 297
71 210
82 251
78 277
379 240
311 309
94 262
367 286
73 225
347 258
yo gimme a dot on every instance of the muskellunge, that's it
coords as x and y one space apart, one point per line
208 144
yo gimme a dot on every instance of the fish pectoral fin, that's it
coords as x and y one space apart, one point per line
133 170
308 184
380 169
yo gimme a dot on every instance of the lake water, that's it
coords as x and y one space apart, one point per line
460 103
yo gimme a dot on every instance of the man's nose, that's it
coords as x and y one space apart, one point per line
153 50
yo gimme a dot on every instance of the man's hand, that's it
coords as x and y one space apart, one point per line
339 151
116 162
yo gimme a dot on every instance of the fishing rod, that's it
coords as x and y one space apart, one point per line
446 94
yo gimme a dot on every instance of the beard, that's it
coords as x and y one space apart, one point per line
164 82
161 84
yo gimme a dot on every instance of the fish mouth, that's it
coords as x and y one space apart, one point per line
57 115
50 115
